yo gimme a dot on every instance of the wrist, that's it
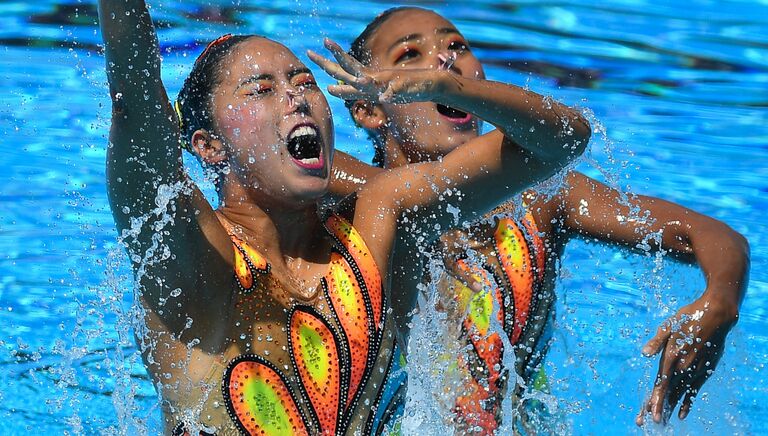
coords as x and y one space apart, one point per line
445 86
723 300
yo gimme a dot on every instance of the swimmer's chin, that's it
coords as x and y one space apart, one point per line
307 193
455 139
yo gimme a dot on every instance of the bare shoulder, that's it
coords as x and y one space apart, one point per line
375 216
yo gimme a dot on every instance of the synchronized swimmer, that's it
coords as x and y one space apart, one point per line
290 317
521 248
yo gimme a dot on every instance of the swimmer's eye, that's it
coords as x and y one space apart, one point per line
458 46
407 54
258 88
305 81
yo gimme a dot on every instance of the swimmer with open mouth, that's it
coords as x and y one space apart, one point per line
403 134
265 316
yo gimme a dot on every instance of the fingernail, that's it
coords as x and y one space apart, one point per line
648 350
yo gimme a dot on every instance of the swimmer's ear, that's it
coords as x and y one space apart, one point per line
209 148
369 115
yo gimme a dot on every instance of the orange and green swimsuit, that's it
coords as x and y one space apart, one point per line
341 349
513 276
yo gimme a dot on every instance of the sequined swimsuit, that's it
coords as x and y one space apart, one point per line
341 350
514 276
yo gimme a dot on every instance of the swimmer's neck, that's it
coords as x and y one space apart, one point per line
394 155
276 230
397 155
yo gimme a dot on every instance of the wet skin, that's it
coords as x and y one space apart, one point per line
423 40
196 319
265 92
692 237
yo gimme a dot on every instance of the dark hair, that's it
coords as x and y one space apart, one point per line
360 51
193 105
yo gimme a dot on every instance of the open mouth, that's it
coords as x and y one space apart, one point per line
306 147
452 114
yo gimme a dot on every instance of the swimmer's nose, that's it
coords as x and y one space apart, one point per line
447 60
293 96
296 100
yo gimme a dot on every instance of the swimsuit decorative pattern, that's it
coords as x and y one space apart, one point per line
332 355
520 254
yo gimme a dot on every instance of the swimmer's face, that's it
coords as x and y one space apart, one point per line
275 122
423 39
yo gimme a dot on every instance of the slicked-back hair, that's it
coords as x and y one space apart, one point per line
195 98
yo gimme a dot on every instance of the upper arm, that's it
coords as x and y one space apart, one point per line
349 174
156 206
435 196
468 182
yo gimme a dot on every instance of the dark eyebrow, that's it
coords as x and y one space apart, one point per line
406 38
444 30
301 70
412 36
256 78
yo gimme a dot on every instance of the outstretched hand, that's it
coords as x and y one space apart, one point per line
691 344
358 82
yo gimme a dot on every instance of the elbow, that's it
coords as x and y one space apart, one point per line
736 252
581 133
742 252
743 246
738 244
574 142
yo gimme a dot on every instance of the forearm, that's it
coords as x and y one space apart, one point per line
723 256
144 147
468 182
131 48
535 122
720 252
592 209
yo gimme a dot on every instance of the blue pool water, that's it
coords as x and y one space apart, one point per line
680 89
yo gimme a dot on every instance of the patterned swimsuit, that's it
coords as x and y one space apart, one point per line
341 350
513 275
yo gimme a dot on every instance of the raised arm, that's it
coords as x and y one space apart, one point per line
144 150
692 341
349 174
477 175
544 127
152 200
468 182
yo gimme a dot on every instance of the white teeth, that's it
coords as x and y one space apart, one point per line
310 161
303 131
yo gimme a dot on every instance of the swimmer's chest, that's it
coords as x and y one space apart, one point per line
315 360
